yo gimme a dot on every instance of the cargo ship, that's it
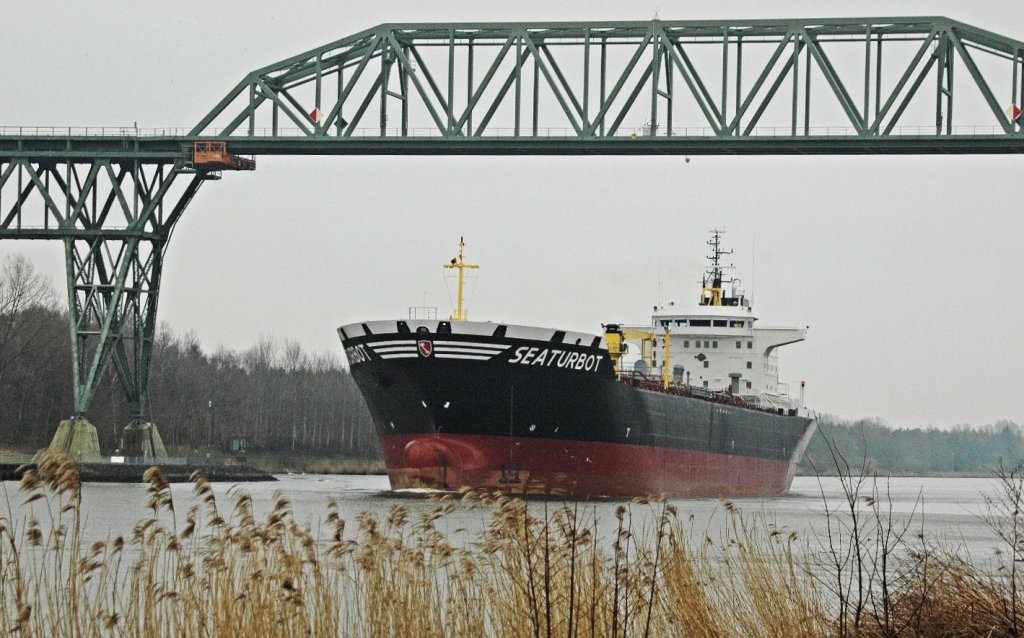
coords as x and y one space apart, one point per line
689 405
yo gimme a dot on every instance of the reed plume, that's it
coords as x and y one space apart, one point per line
533 569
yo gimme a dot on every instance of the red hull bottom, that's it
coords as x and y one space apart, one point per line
575 468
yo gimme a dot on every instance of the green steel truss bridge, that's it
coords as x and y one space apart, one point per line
904 85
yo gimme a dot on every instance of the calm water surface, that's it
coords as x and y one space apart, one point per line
949 509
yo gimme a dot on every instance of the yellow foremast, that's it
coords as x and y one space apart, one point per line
460 263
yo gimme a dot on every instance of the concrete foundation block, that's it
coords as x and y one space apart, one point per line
78 438
142 440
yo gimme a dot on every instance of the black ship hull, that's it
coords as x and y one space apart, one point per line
490 410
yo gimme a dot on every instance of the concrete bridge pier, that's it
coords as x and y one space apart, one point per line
77 438
142 440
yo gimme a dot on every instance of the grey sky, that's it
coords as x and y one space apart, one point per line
906 269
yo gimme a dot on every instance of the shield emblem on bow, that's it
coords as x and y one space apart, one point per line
425 347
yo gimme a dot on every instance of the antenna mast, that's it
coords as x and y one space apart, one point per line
711 294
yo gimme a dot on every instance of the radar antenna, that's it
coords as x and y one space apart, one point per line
711 290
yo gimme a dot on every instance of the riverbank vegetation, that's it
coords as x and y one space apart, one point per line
278 463
534 569
275 396
960 451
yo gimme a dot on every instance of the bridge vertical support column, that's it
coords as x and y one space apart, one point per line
114 289
115 219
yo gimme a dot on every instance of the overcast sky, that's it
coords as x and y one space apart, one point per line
907 269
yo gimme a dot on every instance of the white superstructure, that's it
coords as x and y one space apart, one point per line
715 344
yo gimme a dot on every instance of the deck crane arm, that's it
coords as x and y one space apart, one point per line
616 337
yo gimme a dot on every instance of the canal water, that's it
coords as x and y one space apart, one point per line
949 510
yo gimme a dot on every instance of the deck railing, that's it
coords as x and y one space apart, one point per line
655 383
542 132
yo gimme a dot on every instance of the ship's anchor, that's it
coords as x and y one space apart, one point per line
510 477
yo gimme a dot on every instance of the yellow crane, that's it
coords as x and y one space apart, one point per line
616 337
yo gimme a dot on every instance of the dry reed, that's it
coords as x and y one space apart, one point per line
533 570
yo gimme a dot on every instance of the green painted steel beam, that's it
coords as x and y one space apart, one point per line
464 89
106 233
55 146
553 72
115 217
782 144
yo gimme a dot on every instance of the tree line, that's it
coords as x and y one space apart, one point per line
275 395
963 449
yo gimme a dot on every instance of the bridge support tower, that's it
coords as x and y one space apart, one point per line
114 217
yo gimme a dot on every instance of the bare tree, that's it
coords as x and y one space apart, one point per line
275 395
1005 517
843 544
22 289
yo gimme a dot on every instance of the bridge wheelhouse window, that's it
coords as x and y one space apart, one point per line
736 324
700 323
720 323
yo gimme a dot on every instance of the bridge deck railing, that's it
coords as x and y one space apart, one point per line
557 132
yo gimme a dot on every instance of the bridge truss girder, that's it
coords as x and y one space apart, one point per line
114 218
593 81
643 88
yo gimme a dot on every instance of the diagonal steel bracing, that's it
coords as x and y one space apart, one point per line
114 219
858 85
713 87
795 86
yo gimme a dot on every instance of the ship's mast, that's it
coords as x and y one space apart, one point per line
460 263
711 293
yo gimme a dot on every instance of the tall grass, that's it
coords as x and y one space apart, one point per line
533 570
